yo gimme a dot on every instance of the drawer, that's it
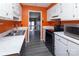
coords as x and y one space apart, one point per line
61 39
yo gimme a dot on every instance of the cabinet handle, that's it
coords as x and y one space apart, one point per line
7 14
73 16
75 5
12 7
68 52
58 39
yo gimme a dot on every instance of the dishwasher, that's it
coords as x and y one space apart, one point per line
49 41
50 37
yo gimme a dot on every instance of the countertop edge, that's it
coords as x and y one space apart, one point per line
67 37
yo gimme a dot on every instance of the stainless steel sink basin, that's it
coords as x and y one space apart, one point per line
16 33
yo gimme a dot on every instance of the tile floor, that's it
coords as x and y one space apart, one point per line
35 47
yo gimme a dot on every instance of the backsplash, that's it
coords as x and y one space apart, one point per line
6 25
53 23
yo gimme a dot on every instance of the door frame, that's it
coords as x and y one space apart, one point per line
40 23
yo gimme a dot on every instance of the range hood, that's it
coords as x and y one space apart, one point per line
55 17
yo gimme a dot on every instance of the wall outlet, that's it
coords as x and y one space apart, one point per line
1 23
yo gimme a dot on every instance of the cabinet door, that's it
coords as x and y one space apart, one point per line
58 9
17 11
73 49
76 11
60 48
50 13
67 11
9 10
2 10
6 11
55 10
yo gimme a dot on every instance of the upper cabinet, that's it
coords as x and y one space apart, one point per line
17 12
5 11
58 10
70 11
65 11
76 11
10 11
53 12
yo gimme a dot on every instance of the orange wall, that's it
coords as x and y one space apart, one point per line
53 23
70 22
26 8
52 4
6 25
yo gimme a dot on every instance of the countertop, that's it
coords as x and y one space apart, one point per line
48 27
12 44
67 37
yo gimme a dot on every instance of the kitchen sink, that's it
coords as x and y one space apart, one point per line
16 33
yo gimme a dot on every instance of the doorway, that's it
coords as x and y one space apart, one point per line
35 24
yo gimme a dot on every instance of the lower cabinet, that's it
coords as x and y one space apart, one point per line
64 47
60 49
73 49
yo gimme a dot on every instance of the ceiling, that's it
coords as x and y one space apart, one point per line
34 14
38 4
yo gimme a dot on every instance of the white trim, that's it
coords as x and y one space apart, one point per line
40 26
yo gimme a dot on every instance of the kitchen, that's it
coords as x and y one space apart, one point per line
58 29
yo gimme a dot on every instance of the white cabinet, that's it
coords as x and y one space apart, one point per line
65 47
53 11
58 9
60 46
70 11
73 49
50 12
10 11
2 10
67 11
61 49
6 11
76 11
17 12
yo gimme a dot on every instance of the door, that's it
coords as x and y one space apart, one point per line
34 25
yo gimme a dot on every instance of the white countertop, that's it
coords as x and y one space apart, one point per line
12 44
48 27
67 37
6 32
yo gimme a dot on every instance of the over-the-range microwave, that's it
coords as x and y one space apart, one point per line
72 30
